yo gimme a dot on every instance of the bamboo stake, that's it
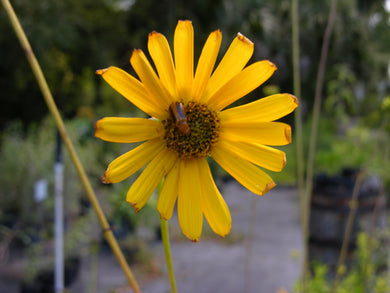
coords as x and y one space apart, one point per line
107 232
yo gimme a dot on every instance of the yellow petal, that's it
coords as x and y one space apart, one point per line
161 54
267 133
261 155
206 64
189 204
150 80
130 162
132 90
213 205
128 130
146 183
168 194
184 58
241 84
266 109
234 60
243 171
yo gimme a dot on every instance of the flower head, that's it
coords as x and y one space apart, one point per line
190 123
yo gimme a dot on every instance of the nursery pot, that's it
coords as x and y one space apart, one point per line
330 207
44 281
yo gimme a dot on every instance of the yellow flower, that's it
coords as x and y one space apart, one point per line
190 124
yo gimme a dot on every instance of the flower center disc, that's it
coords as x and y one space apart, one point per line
204 131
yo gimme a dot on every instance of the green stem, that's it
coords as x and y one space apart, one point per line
297 93
249 244
348 229
378 203
68 144
314 130
298 118
168 255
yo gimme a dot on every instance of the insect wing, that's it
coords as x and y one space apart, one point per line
179 115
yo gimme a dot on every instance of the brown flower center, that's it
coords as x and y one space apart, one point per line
203 131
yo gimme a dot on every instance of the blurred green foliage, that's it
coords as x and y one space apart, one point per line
74 38
68 38
27 158
368 273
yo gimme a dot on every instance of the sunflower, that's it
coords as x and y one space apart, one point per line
189 123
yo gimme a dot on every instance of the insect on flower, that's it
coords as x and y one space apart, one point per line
192 122
179 115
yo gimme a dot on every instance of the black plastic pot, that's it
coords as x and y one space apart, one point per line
44 281
330 207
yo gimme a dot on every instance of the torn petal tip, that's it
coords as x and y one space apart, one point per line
216 32
244 39
192 239
223 235
103 179
284 161
154 34
97 127
268 187
101 71
135 54
134 205
294 98
164 217
287 133
273 65
185 22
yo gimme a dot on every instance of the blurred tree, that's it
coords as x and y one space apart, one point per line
148 15
73 38
67 37
360 41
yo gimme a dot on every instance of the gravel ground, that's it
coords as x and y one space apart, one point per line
263 259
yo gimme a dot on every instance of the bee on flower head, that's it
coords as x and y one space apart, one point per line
178 113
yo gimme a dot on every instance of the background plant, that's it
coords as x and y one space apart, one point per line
367 274
356 84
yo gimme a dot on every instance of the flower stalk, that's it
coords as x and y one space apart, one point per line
167 247
193 124
168 254
298 118
297 93
37 71
354 204
314 132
